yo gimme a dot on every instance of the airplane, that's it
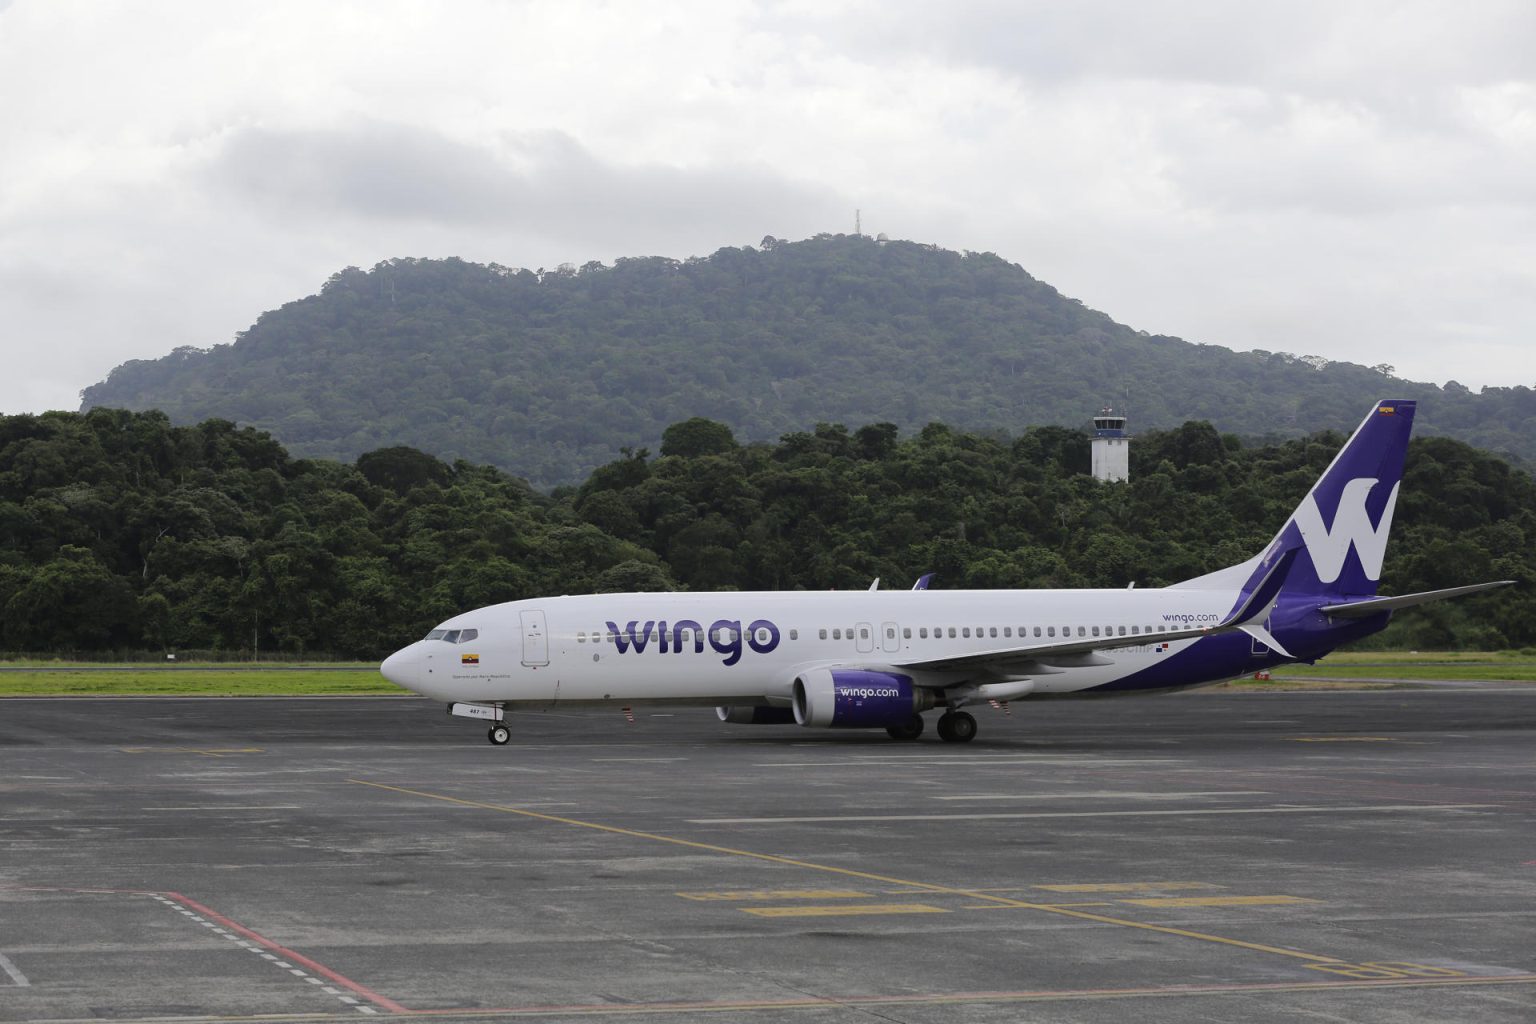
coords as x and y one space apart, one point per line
879 659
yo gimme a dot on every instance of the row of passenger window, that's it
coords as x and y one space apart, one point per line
684 635
1007 632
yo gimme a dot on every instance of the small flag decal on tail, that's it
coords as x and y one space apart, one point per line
469 659
1386 410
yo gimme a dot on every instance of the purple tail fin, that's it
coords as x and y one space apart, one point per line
1339 531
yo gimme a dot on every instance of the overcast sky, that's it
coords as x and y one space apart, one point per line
1351 180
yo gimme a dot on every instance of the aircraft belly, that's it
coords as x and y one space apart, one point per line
1207 660
682 678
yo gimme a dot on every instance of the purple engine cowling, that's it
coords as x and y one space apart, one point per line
854 698
755 715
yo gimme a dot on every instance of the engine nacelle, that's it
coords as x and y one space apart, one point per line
852 698
759 715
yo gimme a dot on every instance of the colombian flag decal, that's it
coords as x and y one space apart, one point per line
469 659
1387 410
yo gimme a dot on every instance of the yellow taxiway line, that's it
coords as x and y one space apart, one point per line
930 887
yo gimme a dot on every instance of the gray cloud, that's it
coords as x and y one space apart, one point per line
543 183
1309 47
1353 178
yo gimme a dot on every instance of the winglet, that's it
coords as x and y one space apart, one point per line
1259 597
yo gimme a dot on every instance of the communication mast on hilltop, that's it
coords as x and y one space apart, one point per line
1111 447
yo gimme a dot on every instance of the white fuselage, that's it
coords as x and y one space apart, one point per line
719 648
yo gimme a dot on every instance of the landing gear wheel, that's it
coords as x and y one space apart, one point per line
499 735
957 727
909 731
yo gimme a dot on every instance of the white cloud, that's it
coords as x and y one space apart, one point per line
1356 180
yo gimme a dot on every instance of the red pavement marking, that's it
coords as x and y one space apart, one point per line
288 954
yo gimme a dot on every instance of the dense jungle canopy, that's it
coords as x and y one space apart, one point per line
121 532
549 374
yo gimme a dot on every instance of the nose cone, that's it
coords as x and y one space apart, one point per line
403 668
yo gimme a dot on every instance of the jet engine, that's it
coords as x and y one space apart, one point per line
849 698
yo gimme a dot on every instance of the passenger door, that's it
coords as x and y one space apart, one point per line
535 638
890 637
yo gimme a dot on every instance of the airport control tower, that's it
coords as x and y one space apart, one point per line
1111 447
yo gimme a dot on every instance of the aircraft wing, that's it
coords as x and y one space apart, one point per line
1066 654
1375 605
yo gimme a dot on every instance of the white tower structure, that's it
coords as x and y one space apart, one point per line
1111 447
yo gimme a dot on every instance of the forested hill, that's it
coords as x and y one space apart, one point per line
550 374
120 532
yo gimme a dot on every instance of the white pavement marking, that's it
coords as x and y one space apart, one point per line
16 976
1106 794
1186 812
264 807
961 762
296 972
638 759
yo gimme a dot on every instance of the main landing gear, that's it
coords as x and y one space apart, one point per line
499 734
954 727
957 727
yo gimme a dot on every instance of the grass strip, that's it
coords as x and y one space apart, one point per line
211 682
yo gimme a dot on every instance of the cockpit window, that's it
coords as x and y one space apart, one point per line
437 634
452 637
466 635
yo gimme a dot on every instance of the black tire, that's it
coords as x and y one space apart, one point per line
957 727
499 735
910 731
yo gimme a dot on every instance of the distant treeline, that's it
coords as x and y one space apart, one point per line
120 532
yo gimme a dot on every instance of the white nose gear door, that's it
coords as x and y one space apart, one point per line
535 638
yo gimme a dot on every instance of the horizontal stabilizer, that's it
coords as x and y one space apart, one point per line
1376 605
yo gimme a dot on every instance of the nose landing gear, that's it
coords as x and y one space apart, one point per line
499 734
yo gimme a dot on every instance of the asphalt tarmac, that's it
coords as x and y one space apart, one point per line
1343 856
